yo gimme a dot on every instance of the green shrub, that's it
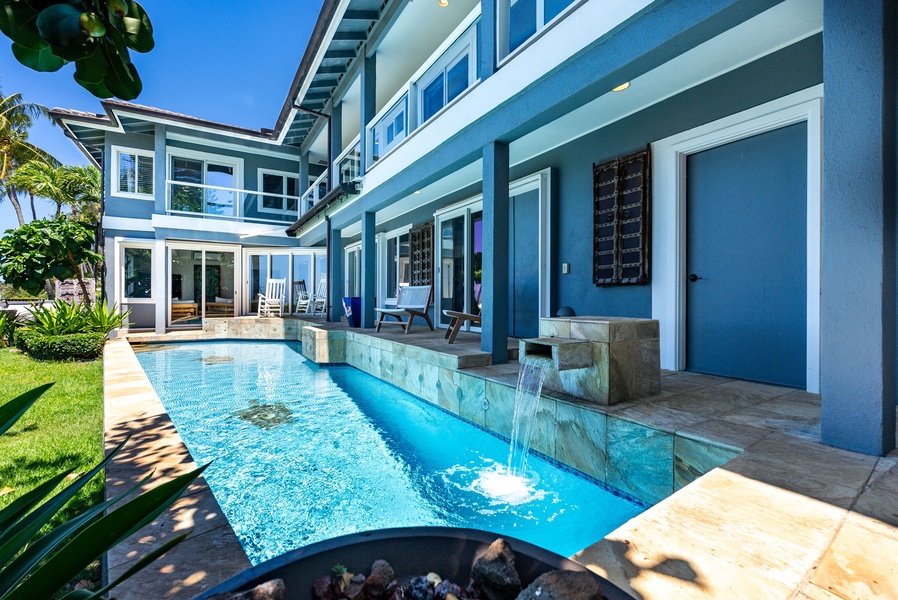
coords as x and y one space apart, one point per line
9 323
75 346
22 336
102 319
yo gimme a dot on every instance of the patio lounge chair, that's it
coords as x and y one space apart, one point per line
458 318
273 298
413 300
301 297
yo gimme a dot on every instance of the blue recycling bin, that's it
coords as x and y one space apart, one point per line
353 309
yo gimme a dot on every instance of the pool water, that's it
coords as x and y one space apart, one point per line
302 453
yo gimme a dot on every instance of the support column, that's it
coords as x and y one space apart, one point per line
303 173
159 283
159 169
495 252
335 144
335 273
369 267
368 108
491 16
858 306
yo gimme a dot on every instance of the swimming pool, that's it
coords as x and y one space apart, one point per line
303 453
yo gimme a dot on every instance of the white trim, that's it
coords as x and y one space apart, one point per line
117 152
180 137
127 224
122 245
669 216
176 221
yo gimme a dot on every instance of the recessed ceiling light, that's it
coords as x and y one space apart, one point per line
418 192
621 87
443 3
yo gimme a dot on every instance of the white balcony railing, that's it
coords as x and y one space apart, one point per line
349 163
229 203
314 194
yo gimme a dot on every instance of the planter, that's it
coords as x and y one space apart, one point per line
448 551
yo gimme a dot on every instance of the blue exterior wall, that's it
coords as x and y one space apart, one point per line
789 70
117 206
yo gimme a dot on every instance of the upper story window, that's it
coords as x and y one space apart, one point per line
274 183
201 183
452 74
134 172
391 129
526 17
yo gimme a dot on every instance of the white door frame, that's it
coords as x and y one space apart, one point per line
540 181
669 215
197 247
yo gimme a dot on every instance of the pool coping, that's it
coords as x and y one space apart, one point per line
772 522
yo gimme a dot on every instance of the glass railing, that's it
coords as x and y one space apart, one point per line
314 194
230 203
349 163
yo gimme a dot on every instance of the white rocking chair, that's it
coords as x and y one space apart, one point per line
301 298
273 298
317 306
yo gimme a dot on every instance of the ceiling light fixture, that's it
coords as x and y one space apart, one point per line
443 3
418 192
621 87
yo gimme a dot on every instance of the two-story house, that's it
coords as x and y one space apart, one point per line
675 159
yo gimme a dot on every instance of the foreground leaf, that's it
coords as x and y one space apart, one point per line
15 408
100 536
43 60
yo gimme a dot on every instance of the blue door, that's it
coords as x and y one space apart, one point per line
523 265
746 257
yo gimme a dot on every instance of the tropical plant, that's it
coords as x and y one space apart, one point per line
46 249
65 318
16 117
39 567
83 187
94 34
9 323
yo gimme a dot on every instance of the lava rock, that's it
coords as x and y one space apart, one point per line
472 592
325 588
356 588
495 574
563 585
379 580
419 589
446 587
270 590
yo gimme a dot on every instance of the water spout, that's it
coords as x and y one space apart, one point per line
526 403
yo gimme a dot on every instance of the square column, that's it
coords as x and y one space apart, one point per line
494 332
335 273
369 266
858 308
334 144
368 108
303 173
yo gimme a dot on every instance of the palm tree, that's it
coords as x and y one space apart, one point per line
16 116
41 179
83 187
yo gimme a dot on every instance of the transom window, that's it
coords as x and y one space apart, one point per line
135 172
273 183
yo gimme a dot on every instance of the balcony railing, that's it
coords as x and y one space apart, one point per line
349 162
210 201
314 194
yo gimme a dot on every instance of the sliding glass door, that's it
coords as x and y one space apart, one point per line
304 266
202 283
459 255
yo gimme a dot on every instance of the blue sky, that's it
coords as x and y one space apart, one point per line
221 60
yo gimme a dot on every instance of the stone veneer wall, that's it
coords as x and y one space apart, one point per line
647 462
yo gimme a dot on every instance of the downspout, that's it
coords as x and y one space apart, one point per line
327 247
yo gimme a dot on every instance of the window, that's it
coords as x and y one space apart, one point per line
391 129
398 271
135 172
274 183
452 74
137 281
203 184
526 17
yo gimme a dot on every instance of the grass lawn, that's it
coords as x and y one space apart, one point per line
63 429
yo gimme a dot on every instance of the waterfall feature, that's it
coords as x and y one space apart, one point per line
526 403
